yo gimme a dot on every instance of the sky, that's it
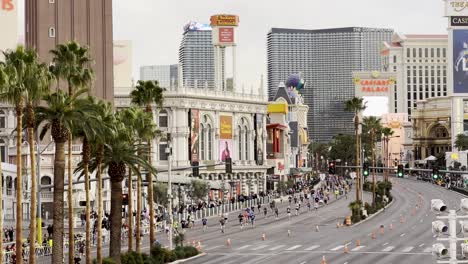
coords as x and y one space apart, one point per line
155 26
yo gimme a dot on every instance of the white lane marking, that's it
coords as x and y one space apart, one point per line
246 246
385 244
211 248
259 247
402 235
421 245
313 247
434 236
358 248
303 262
277 247
427 250
408 249
387 249
294 247
337 248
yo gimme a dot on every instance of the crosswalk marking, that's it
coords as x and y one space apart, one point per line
277 247
313 247
337 248
387 249
210 248
408 249
294 247
358 248
259 247
246 246
427 250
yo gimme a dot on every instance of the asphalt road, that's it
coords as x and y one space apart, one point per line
408 242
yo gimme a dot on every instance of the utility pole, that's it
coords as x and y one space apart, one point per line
169 189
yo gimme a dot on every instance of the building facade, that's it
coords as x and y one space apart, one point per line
166 75
325 58
420 65
49 23
9 22
123 80
431 126
196 57
399 146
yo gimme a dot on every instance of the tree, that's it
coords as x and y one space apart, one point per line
461 142
386 133
145 94
343 147
58 118
71 62
200 189
372 124
160 194
282 188
319 150
356 105
22 68
3 81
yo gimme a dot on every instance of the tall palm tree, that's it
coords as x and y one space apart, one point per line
3 81
386 133
356 105
146 94
372 124
58 118
119 155
71 63
22 67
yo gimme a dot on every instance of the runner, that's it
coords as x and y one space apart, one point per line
241 220
276 212
204 222
288 211
252 219
308 206
297 209
265 211
222 222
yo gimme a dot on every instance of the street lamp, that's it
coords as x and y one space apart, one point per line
169 189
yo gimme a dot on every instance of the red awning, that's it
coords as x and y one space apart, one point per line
276 125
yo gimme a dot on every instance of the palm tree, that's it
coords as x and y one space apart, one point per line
58 118
119 155
356 105
372 124
386 133
22 67
461 142
71 62
145 94
3 81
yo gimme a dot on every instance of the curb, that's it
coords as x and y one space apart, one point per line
188 259
374 214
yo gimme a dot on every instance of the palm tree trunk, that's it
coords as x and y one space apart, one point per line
19 185
358 174
150 195
86 153
32 226
100 209
116 220
373 165
59 172
71 235
138 214
130 211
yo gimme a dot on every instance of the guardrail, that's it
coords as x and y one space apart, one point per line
41 251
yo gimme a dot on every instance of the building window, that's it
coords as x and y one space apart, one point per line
52 32
243 140
162 151
206 138
240 142
51 1
202 141
210 143
2 119
3 150
163 118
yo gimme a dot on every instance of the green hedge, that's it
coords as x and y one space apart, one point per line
158 255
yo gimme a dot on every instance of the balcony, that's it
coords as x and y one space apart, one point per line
276 155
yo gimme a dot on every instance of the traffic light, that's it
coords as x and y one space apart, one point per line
331 167
400 171
124 199
365 169
228 164
195 169
435 173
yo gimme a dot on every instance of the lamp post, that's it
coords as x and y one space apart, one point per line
169 189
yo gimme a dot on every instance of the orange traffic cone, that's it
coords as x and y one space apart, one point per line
324 261
373 235
337 224
358 243
199 246
402 219
193 243
346 250
391 226
263 237
228 242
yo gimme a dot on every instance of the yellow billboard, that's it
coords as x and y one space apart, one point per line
224 20
225 127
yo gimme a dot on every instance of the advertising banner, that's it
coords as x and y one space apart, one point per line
194 134
225 136
456 8
259 138
460 61
226 35
224 20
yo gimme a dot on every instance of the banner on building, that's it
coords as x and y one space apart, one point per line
460 61
194 134
259 139
225 137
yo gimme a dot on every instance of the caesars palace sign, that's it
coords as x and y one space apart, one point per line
7 5
456 8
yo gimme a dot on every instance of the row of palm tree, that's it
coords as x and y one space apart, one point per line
119 143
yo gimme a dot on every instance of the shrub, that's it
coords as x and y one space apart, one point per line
190 251
133 258
105 261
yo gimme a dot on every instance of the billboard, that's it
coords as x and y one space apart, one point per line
194 134
224 20
456 8
195 26
225 137
460 61
226 35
